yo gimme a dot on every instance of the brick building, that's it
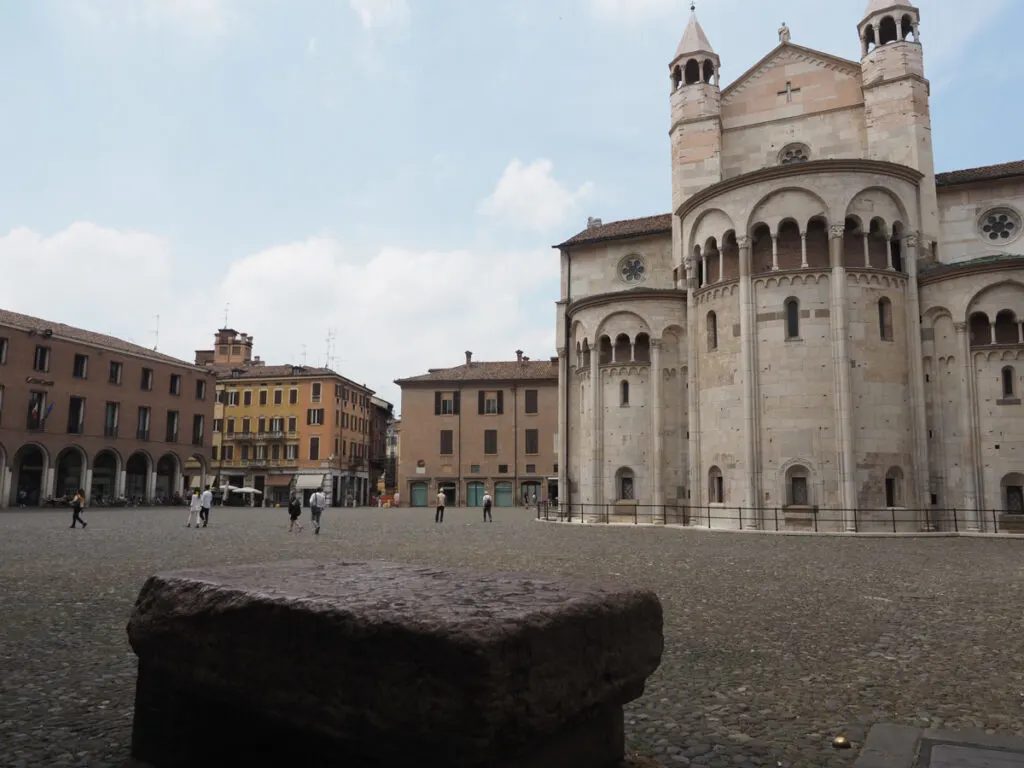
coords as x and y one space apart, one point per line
82 409
482 426
279 428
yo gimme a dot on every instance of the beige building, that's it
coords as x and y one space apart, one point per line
288 428
821 324
480 427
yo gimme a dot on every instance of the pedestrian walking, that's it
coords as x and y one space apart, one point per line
441 501
294 510
317 502
205 502
194 509
487 507
77 505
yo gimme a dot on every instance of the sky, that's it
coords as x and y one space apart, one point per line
389 172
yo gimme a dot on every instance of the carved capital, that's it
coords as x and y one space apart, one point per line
563 352
960 327
655 343
803 235
912 240
743 242
836 230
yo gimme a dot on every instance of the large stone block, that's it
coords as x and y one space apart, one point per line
376 664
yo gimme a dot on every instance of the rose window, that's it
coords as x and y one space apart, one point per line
632 269
1000 226
794 153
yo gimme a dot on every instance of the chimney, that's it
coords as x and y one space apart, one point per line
469 357
519 355
593 222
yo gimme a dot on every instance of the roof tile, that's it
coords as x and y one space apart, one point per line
530 370
984 173
617 230
82 336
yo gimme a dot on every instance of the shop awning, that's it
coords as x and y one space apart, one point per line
307 482
197 482
279 481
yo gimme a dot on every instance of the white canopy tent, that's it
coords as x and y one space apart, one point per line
308 482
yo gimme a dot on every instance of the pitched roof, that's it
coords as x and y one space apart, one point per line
939 268
984 173
261 372
694 38
619 230
530 370
851 67
82 336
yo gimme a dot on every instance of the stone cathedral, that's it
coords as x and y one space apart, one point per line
822 327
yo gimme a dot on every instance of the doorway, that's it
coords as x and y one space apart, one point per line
503 495
419 495
475 494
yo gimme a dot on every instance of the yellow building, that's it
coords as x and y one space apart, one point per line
279 428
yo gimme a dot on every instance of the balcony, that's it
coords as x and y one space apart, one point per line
254 462
242 436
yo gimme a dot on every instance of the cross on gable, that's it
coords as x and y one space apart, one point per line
790 90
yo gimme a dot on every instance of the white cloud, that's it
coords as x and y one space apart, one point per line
397 312
528 197
633 10
381 13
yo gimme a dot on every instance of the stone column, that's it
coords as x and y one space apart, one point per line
917 394
968 467
693 391
841 364
721 263
657 441
150 491
992 330
1020 332
87 485
746 367
867 250
775 253
597 497
49 479
888 254
563 426
803 250
5 486
120 480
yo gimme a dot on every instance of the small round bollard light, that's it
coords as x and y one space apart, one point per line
840 742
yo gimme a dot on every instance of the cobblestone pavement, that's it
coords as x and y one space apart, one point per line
773 644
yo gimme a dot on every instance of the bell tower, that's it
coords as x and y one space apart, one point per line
896 109
696 131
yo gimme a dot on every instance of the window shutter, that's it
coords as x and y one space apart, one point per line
320 413
456 398
481 395
437 403
309 416
501 401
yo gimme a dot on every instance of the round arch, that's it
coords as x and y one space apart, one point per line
196 472
71 466
778 204
797 477
168 470
629 322
994 298
29 466
712 222
106 469
137 469
877 202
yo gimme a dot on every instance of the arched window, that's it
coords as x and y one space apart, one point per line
798 493
716 486
907 27
586 354
623 349
709 70
1006 327
624 393
642 348
625 484
894 487
605 347
692 72
677 78
712 332
1009 382
887 31
885 319
792 318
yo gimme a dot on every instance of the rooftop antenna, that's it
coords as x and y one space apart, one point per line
227 306
156 341
330 347
303 354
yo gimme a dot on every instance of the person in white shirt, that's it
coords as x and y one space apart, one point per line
441 501
487 507
193 510
205 502
317 502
